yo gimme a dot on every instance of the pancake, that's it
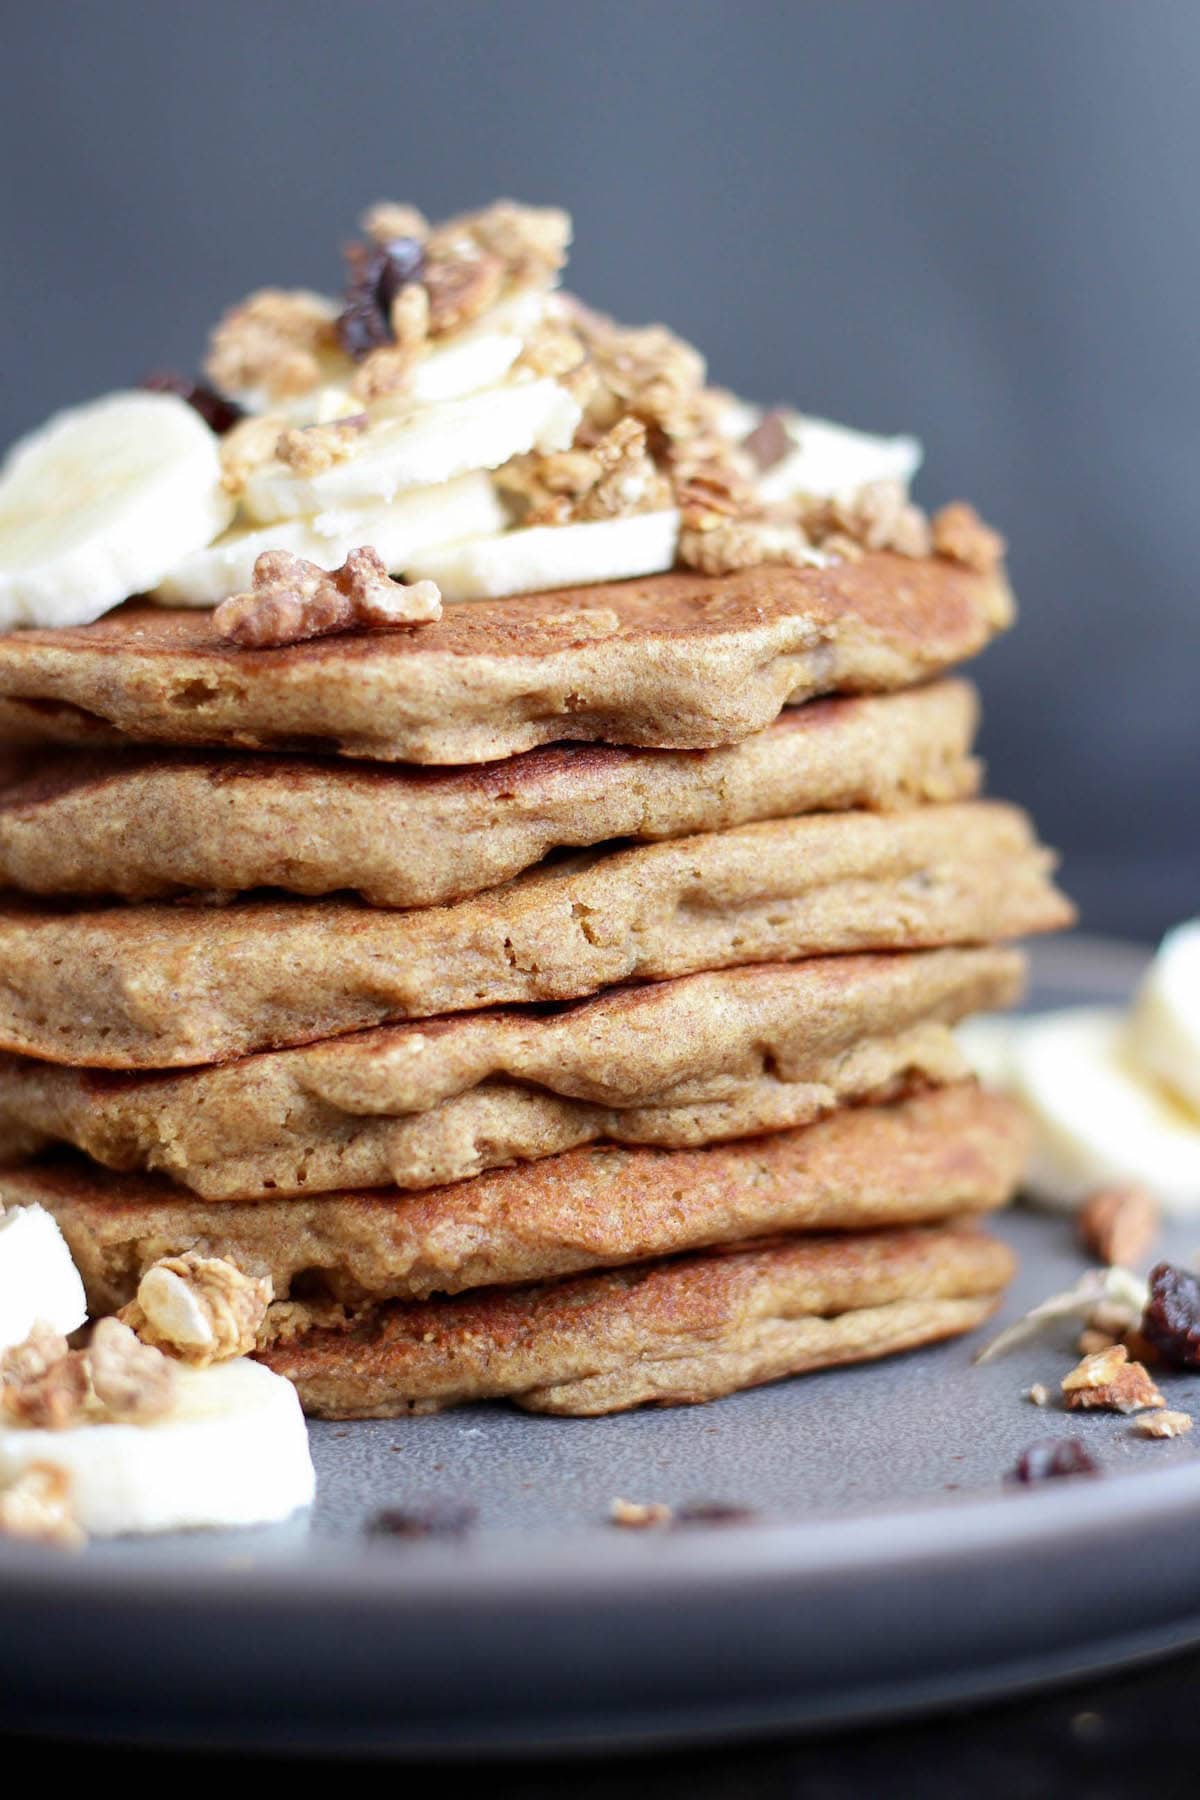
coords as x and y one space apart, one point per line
160 986
948 1151
691 1328
686 1062
675 661
145 824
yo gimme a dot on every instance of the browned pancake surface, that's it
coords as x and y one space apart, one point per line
948 1151
148 823
160 986
687 1329
682 661
697 1060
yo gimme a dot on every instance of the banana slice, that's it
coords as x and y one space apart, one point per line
987 1043
831 460
233 1450
1163 1036
397 529
38 1280
421 447
99 504
1098 1120
551 556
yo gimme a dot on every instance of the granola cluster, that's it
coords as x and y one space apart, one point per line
38 1505
274 342
115 1380
199 1309
293 600
613 478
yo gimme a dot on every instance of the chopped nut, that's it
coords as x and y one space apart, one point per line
1090 1341
311 449
1108 1380
1119 1224
639 1515
131 1381
1164 1424
273 341
409 316
200 1309
461 282
247 447
386 221
960 534
37 1506
292 600
1038 1395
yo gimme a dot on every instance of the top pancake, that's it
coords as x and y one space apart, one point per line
672 661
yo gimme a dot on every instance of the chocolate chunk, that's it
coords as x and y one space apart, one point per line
219 414
1051 1458
769 442
439 1519
1171 1321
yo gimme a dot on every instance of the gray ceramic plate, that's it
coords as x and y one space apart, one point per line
890 1567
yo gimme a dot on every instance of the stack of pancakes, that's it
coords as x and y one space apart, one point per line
554 1000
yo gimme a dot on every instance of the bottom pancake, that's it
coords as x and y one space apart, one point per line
690 1328
936 1154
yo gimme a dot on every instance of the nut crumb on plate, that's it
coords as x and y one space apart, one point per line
1164 1424
1108 1381
639 1515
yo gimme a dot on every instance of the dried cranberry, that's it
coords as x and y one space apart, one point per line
438 1519
1052 1457
219 414
377 274
1172 1318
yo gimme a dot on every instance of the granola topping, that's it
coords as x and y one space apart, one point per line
273 341
37 1506
199 1309
47 1387
960 534
310 449
292 600
1109 1381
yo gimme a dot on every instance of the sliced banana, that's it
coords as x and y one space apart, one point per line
233 1450
397 529
551 556
420 448
1163 1036
987 1043
100 502
1098 1119
832 460
39 1282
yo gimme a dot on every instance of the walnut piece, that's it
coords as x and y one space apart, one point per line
1108 1380
292 600
26 1361
132 1382
199 1309
1119 1224
960 534
639 1515
1164 1424
44 1391
1038 1394
273 341
37 1506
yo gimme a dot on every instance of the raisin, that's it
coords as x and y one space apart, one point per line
713 1512
1171 1321
219 414
377 274
438 1519
1053 1457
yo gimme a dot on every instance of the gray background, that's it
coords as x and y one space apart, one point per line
976 221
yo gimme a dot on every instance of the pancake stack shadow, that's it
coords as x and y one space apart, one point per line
555 1011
